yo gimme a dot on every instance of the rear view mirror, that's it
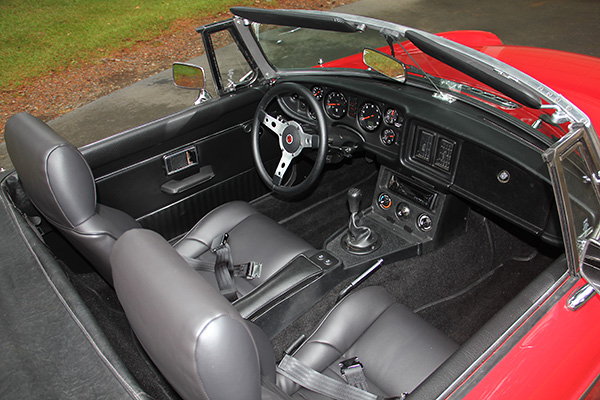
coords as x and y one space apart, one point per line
188 76
384 64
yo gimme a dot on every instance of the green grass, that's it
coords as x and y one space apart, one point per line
39 36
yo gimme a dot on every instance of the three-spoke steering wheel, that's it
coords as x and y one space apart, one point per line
292 140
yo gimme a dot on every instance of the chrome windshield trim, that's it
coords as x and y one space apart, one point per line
589 146
565 107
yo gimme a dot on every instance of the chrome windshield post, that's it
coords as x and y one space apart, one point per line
574 162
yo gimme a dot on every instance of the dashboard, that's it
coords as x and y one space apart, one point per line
432 148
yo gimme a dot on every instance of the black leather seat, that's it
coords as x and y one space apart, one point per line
207 351
60 184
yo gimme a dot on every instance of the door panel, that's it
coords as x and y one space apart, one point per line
129 167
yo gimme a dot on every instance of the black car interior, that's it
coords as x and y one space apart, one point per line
442 213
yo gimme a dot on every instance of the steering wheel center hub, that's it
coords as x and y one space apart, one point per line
290 139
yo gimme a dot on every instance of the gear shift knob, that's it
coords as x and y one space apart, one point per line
354 197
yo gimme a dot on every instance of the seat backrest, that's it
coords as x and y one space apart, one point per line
196 338
60 184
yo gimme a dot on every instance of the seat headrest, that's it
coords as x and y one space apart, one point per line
53 172
195 337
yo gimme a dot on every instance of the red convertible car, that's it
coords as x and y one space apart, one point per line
362 210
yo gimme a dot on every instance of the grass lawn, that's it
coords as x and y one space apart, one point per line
40 36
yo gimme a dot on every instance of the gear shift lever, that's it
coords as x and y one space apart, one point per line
359 239
354 198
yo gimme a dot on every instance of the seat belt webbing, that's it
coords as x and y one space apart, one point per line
317 382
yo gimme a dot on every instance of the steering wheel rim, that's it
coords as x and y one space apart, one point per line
292 140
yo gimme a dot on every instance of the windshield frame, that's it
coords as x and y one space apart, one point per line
306 18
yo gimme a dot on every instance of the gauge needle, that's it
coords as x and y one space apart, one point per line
363 118
333 104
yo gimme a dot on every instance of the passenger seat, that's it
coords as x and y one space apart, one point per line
206 350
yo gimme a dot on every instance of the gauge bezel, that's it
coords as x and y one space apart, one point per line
395 117
321 90
328 109
383 135
364 125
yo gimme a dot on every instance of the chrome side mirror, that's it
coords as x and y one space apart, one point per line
190 76
384 64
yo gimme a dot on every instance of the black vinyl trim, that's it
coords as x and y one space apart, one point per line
293 18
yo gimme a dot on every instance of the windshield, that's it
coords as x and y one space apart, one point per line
293 48
297 48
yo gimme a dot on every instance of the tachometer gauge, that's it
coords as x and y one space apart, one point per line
369 116
336 105
318 92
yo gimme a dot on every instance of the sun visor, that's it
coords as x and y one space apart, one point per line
298 18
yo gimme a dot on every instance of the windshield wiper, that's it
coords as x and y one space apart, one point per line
476 69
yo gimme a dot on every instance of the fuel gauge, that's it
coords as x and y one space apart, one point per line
391 116
388 137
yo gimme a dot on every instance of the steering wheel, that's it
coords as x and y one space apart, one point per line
292 140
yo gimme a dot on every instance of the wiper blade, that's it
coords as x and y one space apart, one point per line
476 69
301 19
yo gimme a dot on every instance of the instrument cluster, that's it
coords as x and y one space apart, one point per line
373 119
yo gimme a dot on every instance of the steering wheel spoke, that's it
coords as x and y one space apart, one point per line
273 124
284 163
310 141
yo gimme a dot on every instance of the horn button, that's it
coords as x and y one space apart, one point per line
290 140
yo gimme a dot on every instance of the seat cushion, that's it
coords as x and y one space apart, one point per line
252 237
397 348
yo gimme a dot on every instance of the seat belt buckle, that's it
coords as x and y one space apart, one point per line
349 363
254 270
219 242
352 372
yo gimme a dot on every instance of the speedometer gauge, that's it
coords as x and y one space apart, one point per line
369 117
336 105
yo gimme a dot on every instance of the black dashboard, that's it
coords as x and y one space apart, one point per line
477 153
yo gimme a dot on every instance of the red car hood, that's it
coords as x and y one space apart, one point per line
575 76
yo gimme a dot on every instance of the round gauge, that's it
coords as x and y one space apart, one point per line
369 116
318 92
391 116
388 137
336 105
384 201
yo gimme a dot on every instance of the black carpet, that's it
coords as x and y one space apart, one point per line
457 288
324 210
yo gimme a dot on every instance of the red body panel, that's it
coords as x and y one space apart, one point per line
558 359
575 76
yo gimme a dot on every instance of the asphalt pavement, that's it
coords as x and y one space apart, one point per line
563 25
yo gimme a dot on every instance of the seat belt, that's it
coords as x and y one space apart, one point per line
224 269
324 385
222 266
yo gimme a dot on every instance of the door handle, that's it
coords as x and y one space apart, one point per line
175 187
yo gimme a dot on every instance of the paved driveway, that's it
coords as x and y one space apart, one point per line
563 25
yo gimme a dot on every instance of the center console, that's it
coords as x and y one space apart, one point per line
406 218
407 215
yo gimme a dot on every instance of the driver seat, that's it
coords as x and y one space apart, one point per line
60 184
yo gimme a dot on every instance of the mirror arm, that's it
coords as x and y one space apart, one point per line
202 97
390 42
